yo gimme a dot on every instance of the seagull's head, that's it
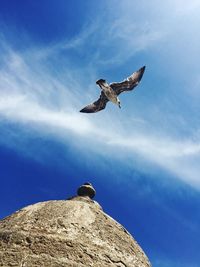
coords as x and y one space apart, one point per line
100 81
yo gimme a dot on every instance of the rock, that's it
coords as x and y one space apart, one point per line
71 233
86 190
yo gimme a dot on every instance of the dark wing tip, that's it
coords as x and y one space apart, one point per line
141 72
86 110
142 69
92 108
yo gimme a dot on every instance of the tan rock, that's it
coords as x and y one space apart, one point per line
72 233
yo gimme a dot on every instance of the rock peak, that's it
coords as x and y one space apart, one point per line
67 233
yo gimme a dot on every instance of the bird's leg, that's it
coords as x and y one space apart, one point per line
118 102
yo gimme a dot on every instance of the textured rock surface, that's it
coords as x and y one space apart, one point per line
68 233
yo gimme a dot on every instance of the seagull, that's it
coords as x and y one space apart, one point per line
110 92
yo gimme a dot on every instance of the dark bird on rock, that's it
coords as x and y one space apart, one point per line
110 92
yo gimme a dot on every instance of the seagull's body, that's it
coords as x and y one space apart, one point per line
108 91
111 91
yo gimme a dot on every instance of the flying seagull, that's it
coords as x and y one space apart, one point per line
110 92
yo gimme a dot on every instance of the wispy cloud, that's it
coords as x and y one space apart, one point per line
37 92
50 106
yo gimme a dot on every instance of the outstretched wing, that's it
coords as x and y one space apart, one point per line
97 105
129 83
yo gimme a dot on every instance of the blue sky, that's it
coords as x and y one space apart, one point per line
143 160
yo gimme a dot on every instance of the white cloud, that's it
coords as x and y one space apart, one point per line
33 93
27 100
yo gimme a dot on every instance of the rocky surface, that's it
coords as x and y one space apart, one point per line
71 233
